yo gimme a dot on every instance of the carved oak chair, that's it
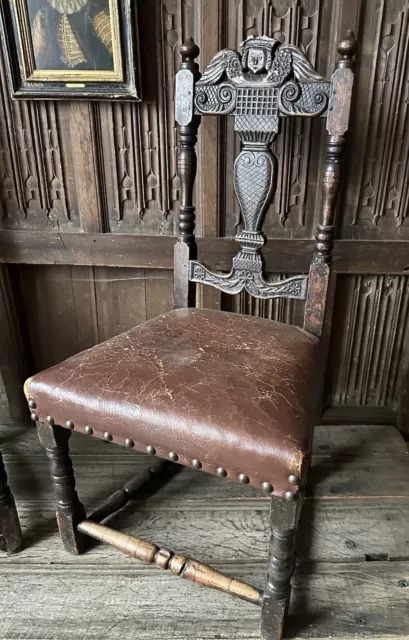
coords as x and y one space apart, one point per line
225 393
11 539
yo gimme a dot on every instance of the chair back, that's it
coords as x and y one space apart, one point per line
263 83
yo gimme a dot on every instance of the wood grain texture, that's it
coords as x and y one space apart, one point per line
337 592
327 480
87 305
85 166
329 525
330 531
372 603
122 250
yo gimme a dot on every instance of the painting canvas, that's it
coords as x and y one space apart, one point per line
71 45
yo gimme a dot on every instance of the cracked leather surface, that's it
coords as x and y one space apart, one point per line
230 390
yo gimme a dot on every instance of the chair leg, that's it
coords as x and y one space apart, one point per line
284 520
70 511
11 539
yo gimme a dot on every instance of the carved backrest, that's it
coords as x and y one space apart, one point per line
264 83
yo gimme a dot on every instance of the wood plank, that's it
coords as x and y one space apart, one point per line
328 479
353 600
359 441
359 414
209 142
64 292
120 299
158 292
86 166
51 306
233 531
85 308
354 478
358 467
345 597
122 250
363 441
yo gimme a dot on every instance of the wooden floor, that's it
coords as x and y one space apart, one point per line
352 578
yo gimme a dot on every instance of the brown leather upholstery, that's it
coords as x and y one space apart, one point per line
228 390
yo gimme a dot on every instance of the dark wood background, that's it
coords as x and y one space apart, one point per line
88 195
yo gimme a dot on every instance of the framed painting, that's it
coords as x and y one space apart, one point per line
71 48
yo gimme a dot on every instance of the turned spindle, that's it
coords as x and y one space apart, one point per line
180 565
337 125
185 249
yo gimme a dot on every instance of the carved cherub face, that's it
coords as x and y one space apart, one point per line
256 59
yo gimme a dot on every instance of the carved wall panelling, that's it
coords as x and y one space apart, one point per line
371 329
11 192
32 170
121 144
139 140
377 198
52 174
301 23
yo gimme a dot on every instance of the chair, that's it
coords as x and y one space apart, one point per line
225 393
11 539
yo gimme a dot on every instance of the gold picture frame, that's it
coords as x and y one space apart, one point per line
71 48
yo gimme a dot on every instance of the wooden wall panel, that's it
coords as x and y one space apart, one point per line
58 312
69 309
377 197
371 331
127 297
80 179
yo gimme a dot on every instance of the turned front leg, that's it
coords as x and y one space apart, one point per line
284 520
70 511
11 539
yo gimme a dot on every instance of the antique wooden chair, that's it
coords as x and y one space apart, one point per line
225 393
11 539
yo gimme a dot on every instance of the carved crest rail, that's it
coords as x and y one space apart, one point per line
265 82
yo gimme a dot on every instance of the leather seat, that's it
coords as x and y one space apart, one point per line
223 392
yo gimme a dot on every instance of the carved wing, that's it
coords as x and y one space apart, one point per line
302 67
226 62
290 60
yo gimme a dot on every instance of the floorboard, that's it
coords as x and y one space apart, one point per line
352 578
